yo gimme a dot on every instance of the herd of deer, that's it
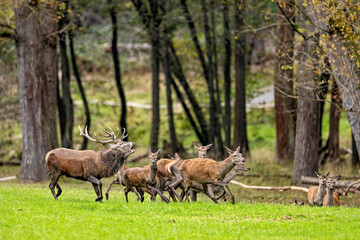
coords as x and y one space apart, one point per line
192 176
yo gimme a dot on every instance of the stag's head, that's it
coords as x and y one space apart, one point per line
322 178
153 156
235 156
331 182
202 150
113 142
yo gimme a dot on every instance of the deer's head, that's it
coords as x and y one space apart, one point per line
202 150
114 142
153 156
235 156
322 178
331 182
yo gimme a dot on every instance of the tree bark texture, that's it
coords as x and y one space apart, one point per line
81 88
240 132
307 126
116 60
33 92
67 110
227 73
49 27
355 154
335 111
284 103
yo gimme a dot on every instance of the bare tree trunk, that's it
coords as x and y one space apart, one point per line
355 154
307 127
67 112
115 55
240 132
227 74
81 88
284 104
321 96
49 27
335 111
33 91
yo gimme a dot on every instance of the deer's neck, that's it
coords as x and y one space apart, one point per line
153 170
320 194
225 166
230 175
111 161
329 198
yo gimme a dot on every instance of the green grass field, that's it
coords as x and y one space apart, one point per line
30 212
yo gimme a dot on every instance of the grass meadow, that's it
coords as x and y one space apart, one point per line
30 212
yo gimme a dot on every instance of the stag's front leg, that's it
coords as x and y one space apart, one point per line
96 184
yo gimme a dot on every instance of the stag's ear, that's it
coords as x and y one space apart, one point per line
208 146
317 174
326 175
196 145
149 151
338 177
158 151
229 151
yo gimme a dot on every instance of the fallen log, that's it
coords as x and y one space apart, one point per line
7 178
280 189
339 184
354 183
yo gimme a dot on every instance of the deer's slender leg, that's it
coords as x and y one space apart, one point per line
154 189
59 190
116 181
225 185
193 195
53 183
98 184
126 191
206 191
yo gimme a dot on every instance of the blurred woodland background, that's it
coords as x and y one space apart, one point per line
277 78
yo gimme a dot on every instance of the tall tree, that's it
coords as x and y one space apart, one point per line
116 60
307 126
355 155
335 111
80 86
49 28
284 104
33 91
152 20
240 131
227 73
65 103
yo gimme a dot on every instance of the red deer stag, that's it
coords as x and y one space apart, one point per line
88 165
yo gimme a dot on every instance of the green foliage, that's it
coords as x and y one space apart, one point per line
30 212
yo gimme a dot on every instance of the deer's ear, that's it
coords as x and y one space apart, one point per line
208 146
326 175
295 201
317 174
177 156
338 177
237 149
158 151
302 204
196 145
229 151
149 151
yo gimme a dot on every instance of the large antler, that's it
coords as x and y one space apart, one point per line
86 134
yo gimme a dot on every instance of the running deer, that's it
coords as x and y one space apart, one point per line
202 150
331 198
88 165
136 179
207 171
316 195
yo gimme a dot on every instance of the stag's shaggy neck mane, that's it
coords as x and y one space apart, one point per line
111 161
225 166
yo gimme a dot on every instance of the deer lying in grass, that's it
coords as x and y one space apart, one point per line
88 165
143 178
202 150
316 195
331 198
206 171
296 203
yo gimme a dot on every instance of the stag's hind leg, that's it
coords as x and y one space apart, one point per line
54 179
